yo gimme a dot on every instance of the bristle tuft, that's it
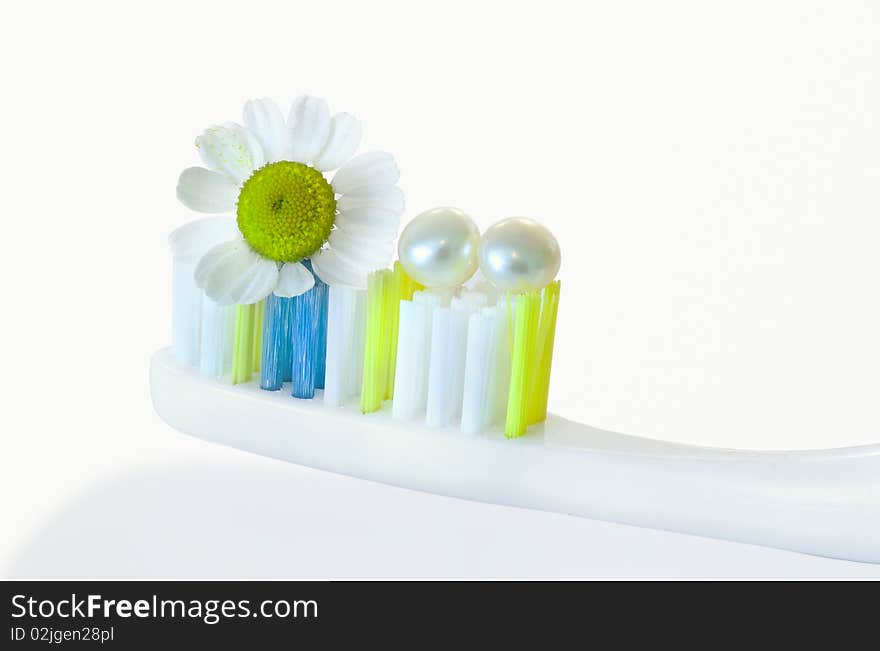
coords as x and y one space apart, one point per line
345 344
277 343
537 408
376 344
414 354
525 327
217 339
243 348
447 365
306 318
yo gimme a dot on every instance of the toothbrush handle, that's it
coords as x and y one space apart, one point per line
824 502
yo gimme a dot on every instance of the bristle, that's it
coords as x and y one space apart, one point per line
467 304
243 347
390 317
257 349
537 406
276 343
186 311
404 288
439 369
344 360
476 379
430 301
498 388
376 344
339 319
358 345
410 331
475 300
323 302
446 372
286 359
413 354
522 362
217 338
306 316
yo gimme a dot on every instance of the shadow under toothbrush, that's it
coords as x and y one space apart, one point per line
240 516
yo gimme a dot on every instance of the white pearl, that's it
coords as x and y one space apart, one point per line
519 255
439 248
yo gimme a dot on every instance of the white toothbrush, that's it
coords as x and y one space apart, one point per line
823 502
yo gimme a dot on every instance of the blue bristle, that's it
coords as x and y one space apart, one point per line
305 343
287 359
321 365
276 343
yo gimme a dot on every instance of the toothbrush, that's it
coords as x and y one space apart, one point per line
293 337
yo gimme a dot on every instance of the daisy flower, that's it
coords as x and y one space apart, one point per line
274 175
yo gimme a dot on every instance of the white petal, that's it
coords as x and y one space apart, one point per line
206 191
371 210
361 252
294 280
334 271
230 149
257 282
217 270
232 272
390 199
309 124
253 144
263 118
192 240
372 217
386 230
342 142
370 171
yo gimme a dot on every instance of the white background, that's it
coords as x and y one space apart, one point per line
712 171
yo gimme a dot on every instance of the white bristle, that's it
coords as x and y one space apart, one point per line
217 337
446 372
410 338
462 309
414 354
437 410
435 297
186 312
478 283
498 376
474 411
430 302
340 307
345 344
475 299
357 338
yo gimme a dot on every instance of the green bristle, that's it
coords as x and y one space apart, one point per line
537 407
243 350
522 363
375 344
391 314
385 289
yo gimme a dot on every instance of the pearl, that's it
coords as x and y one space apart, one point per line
439 248
519 255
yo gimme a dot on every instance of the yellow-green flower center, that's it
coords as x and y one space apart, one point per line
286 211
